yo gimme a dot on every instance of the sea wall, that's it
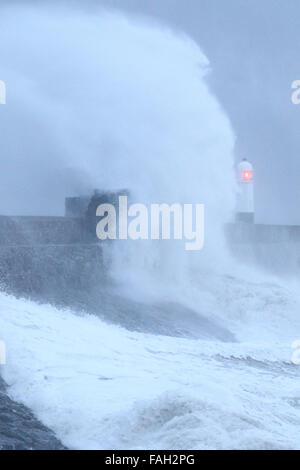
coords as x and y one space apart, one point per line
49 258
276 248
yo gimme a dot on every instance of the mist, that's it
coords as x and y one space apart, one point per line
253 48
253 52
99 102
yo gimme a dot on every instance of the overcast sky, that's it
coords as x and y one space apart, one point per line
254 50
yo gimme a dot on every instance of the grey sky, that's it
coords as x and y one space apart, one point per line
254 50
253 47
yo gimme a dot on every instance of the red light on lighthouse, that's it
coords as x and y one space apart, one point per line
247 175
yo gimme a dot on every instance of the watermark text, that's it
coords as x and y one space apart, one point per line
296 94
2 92
157 222
2 353
296 354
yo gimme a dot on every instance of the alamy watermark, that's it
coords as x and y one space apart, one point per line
155 222
296 353
2 353
2 92
296 93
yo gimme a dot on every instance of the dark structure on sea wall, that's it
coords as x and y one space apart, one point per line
54 258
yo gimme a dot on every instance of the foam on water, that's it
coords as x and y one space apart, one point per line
126 104
99 386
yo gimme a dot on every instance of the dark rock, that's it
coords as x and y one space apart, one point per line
20 430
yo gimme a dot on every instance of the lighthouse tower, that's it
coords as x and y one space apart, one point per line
245 197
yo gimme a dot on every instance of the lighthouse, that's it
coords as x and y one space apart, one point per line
245 196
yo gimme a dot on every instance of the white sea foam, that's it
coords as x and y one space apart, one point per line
127 105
